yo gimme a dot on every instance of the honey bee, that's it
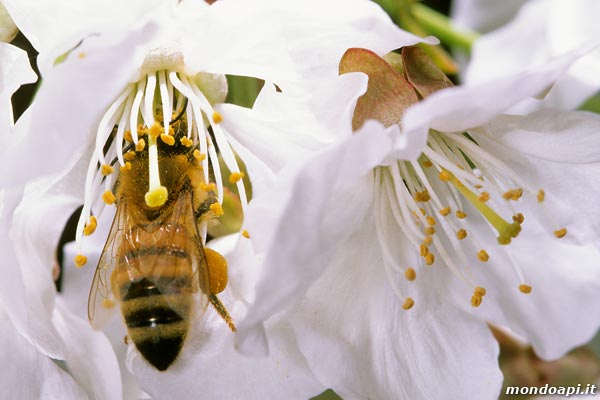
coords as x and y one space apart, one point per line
153 263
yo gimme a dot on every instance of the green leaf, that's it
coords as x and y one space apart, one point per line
243 90
327 395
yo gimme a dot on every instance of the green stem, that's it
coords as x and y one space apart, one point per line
440 25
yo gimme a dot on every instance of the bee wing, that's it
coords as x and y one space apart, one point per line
101 301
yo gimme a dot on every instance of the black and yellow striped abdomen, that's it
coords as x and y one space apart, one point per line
153 281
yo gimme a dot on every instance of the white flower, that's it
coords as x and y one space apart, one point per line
387 292
541 30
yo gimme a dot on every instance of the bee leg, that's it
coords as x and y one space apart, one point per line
220 308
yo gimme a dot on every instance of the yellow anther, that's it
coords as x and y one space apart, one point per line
140 145
484 196
445 211
460 167
235 177
171 131
513 194
427 164
167 139
460 214
186 142
80 260
509 232
106 169
199 156
246 234
430 230
427 241
108 197
217 118
429 259
156 130
560 233
127 136
217 271
422 211
90 227
430 220
141 130
518 217
477 186
208 187
541 195
81 55
476 300
461 234
156 197
479 291
445 175
126 167
423 250
525 288
410 274
107 303
216 209
483 256
408 303
130 155
422 197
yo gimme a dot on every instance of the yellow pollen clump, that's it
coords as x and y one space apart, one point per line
108 197
525 288
484 196
445 211
156 130
217 270
126 167
106 169
246 234
427 164
216 209
140 145
483 256
427 240
518 217
429 259
410 274
430 220
217 118
199 156
90 227
80 260
509 232
423 250
541 195
513 194
106 303
130 155
186 142
156 197
167 139
479 291
561 233
460 214
461 234
235 177
445 175
127 136
476 300
430 230
408 303
208 187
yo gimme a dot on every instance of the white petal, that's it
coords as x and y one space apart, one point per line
14 72
357 338
484 15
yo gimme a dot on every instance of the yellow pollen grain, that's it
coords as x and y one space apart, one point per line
130 155
461 234
156 130
484 196
410 274
427 164
561 233
518 217
127 136
90 227
523 288
208 187
126 167
108 197
513 194
460 214
445 175
199 156
430 230
541 195
445 211
429 259
476 300
107 303
216 209
430 220
246 234
80 260
217 118
235 177
483 256
106 169
423 250
186 142
140 145
408 303
427 240
167 139
479 291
